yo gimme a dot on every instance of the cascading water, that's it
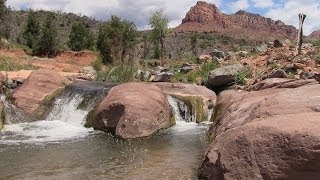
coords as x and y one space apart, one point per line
180 110
59 147
66 120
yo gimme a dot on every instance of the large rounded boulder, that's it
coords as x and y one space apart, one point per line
133 110
41 86
269 134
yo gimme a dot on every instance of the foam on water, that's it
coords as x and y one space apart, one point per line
65 122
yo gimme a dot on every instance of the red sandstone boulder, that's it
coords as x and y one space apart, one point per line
133 110
267 134
40 86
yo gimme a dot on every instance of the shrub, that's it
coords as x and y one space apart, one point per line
115 39
7 64
97 64
32 30
118 73
48 44
242 76
80 38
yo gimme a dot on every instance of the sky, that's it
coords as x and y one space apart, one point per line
139 11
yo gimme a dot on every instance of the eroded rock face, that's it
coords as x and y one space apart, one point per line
133 110
267 134
40 86
201 101
205 17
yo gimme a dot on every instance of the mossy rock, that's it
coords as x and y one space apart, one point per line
196 106
46 105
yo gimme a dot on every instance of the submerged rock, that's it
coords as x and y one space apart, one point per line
39 88
267 134
133 110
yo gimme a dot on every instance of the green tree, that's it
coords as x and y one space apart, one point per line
3 16
80 37
48 44
159 24
32 30
116 39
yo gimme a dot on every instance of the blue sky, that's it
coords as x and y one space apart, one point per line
139 10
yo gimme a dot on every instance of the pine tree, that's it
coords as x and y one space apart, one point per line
32 30
80 38
48 44
3 15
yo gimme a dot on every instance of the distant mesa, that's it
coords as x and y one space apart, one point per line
206 17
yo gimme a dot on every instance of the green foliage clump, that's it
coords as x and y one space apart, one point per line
7 64
159 24
122 72
197 75
317 58
80 37
48 44
4 30
242 76
97 64
115 39
32 30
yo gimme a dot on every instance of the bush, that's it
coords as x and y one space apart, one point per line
242 76
197 75
118 73
80 38
115 40
48 44
7 64
32 30
97 64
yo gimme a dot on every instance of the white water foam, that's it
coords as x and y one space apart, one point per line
65 122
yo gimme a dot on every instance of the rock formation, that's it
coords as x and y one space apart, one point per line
39 88
315 35
268 134
205 17
133 110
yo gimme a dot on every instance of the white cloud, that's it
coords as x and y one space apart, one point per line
288 13
239 5
140 10
135 10
262 3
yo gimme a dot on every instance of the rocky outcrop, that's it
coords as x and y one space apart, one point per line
200 100
223 76
268 134
315 35
205 17
133 110
40 87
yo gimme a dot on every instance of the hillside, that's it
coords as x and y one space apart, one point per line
205 17
17 21
315 35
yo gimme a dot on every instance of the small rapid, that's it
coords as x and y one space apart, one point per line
63 123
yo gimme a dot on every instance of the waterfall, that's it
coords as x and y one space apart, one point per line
180 110
64 122
13 115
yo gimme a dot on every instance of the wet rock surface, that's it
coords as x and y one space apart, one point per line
39 87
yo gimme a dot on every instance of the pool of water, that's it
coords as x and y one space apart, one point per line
60 150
